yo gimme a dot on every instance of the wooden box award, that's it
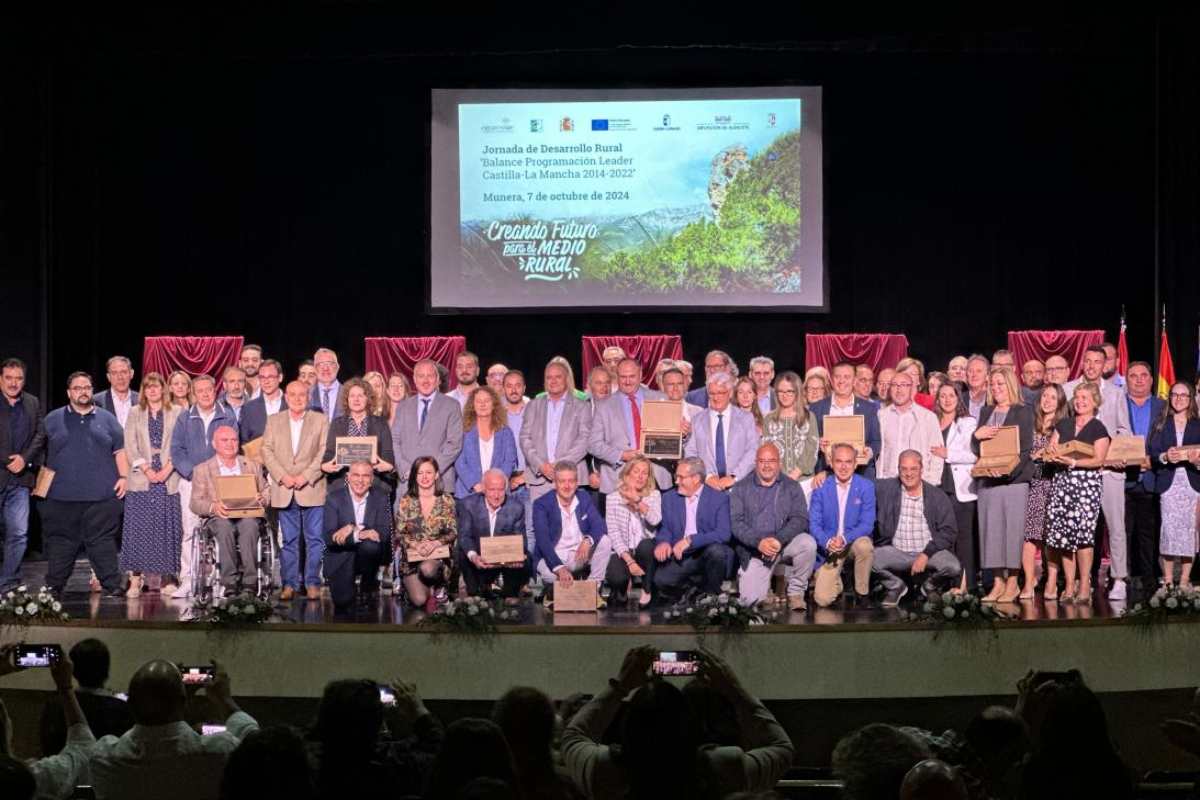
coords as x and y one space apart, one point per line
662 429
1001 452
579 596
1128 451
239 495
503 548
348 449
439 552
850 430
1075 449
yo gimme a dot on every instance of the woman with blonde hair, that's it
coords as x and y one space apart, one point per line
632 513
745 397
398 388
488 442
378 392
179 386
153 525
791 428
816 387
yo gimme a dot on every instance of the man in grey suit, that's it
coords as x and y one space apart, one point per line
616 427
723 437
1114 413
555 427
427 424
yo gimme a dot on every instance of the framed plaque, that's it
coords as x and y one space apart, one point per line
503 548
1002 452
846 430
239 495
662 429
441 552
348 449
579 596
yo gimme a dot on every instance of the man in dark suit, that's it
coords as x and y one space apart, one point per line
489 514
118 398
22 440
915 532
570 535
844 402
357 528
1141 500
253 422
692 544
106 713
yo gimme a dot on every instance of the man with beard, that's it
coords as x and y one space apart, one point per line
466 371
250 361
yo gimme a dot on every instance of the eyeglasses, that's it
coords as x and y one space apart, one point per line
785 391
1181 395
326 364
87 388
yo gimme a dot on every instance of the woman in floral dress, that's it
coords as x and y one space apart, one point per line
1050 410
425 523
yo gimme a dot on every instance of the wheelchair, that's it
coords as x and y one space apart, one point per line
206 573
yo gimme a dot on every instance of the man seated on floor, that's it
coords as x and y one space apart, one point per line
358 534
841 519
490 513
769 521
692 547
916 532
237 539
569 532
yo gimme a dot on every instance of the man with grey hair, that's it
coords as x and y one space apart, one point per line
762 372
915 532
692 544
716 361
687 369
570 535
615 435
611 357
769 522
723 437
977 378
956 370
118 398
325 392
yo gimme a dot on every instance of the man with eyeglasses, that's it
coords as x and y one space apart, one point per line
1057 370
118 398
85 446
845 403
904 425
325 392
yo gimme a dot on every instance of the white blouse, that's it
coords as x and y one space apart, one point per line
626 527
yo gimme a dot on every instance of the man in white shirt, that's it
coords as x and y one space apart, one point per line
327 390
253 421
762 372
118 398
570 533
161 756
466 372
512 390
904 425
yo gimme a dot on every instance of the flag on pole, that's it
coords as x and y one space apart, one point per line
1122 349
1166 370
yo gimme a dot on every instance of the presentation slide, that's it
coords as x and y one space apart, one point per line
627 199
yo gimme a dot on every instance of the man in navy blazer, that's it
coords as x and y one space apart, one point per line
253 422
491 513
844 402
357 528
118 398
1141 500
692 543
842 516
566 551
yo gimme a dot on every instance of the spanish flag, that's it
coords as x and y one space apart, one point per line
1166 370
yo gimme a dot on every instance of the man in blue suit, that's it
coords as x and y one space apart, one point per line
253 421
843 402
1141 500
357 529
841 518
692 544
570 535
490 513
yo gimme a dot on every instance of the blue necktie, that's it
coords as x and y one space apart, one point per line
325 400
721 445
424 414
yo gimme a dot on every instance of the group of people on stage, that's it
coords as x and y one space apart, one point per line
132 474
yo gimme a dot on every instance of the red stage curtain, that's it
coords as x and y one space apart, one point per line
195 355
1071 345
648 349
876 350
388 354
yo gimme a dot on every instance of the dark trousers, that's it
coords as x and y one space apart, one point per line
237 546
344 562
617 574
479 580
1141 532
965 548
706 568
70 526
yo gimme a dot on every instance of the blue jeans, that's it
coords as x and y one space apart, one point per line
290 521
14 508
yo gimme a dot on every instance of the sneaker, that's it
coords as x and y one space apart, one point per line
1117 591
182 592
893 597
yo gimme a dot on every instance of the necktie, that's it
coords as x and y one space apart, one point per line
325 400
637 422
721 445
424 414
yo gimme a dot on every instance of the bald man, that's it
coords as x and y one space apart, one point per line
1057 370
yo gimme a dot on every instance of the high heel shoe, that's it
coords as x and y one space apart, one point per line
135 586
1083 599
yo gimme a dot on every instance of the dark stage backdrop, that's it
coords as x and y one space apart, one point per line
268 177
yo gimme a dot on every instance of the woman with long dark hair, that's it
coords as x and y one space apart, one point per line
425 523
958 426
1175 454
1050 409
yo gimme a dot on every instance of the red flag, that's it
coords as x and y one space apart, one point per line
1122 349
1166 370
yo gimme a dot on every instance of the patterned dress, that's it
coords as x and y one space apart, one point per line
1039 493
153 529
1074 505
411 527
798 444
1178 536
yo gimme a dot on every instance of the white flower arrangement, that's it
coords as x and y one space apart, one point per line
1169 601
469 616
242 609
721 611
952 609
24 607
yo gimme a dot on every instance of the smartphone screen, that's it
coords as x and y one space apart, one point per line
387 696
208 730
676 662
36 655
201 675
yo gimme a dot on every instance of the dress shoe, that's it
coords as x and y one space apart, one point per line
287 594
182 592
313 593
796 602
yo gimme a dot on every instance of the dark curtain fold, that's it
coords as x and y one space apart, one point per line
195 355
876 350
648 349
1071 345
388 354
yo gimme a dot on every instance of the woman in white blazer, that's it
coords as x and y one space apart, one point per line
958 426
